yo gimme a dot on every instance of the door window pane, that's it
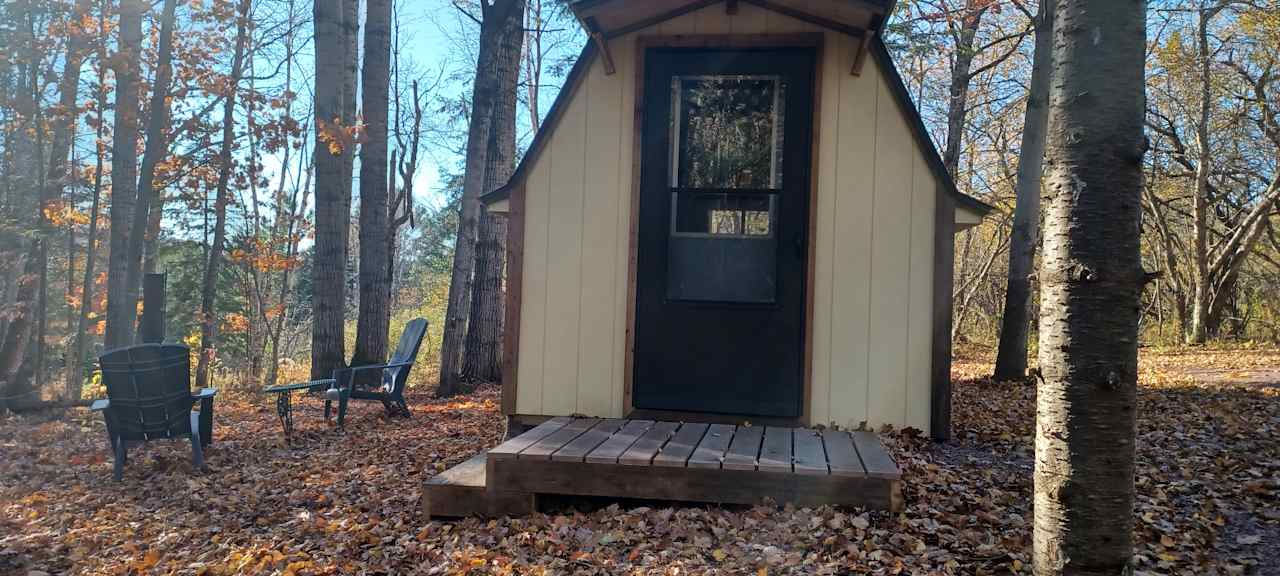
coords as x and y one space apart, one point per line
722 215
727 131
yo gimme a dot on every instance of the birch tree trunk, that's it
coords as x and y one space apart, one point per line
1091 280
332 211
226 165
1011 360
375 267
483 101
482 350
122 312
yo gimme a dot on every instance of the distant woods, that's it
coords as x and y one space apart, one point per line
1210 194
220 143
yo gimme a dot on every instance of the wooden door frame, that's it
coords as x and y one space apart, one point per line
814 40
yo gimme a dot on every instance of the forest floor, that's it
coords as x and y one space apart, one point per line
1208 484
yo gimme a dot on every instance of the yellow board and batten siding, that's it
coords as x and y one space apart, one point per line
871 325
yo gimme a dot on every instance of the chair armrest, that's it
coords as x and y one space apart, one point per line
349 374
374 367
100 405
312 385
204 393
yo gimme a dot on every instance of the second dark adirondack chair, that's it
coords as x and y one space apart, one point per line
149 397
389 389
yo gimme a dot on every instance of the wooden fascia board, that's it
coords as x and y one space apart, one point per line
654 20
803 16
512 298
876 47
940 347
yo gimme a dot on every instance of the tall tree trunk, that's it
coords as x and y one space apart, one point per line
257 298
121 311
961 75
226 165
1011 360
286 208
63 136
332 190
483 101
535 27
151 244
1201 293
375 272
157 147
75 370
1091 283
482 350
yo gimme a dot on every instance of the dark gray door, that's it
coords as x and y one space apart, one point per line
723 216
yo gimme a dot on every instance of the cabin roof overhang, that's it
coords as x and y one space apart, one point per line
607 19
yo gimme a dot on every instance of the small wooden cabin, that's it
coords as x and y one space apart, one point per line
732 212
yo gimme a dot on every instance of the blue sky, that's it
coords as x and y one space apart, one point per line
438 45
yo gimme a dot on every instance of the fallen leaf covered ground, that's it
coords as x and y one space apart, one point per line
347 503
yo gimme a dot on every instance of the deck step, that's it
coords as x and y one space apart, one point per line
693 462
460 492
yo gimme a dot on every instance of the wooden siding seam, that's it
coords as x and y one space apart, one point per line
835 49
550 158
615 386
871 248
582 240
582 227
906 356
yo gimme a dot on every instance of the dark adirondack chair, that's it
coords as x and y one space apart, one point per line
389 389
149 397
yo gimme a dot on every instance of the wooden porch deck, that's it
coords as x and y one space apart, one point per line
687 462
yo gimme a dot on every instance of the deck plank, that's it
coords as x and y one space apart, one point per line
577 450
842 457
514 446
642 452
677 451
609 451
874 457
544 448
710 451
809 456
775 453
745 449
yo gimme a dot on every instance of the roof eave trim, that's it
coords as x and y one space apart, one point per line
899 89
878 50
571 83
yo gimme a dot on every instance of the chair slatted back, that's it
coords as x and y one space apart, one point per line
410 341
150 390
